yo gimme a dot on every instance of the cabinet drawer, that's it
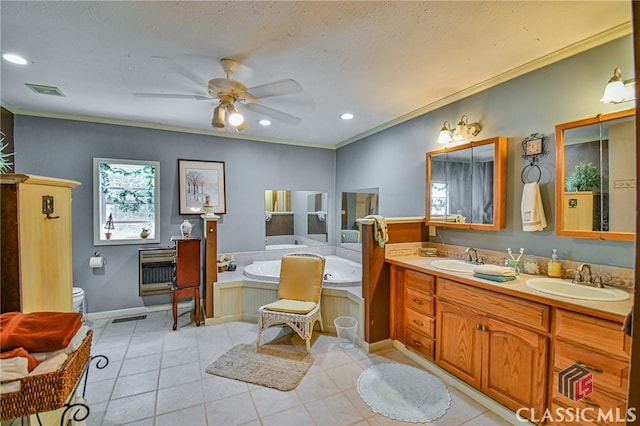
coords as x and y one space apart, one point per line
602 335
419 301
420 323
530 314
608 373
591 405
420 281
420 343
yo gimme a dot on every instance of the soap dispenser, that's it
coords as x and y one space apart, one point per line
554 267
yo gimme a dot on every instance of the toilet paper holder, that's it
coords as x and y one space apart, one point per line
97 260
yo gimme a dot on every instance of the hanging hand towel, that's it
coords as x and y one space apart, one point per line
532 209
380 229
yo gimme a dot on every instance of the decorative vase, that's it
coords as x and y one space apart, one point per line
107 235
144 233
186 228
207 207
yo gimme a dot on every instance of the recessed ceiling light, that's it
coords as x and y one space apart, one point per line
346 116
14 59
264 122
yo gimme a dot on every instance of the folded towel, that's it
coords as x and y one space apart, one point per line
380 229
73 346
38 331
494 270
532 209
12 369
20 352
498 278
49 365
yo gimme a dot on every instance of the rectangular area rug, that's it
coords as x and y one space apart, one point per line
269 366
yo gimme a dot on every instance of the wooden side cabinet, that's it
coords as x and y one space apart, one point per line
36 254
496 343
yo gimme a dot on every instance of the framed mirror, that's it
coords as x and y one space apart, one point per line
355 205
595 177
466 185
295 218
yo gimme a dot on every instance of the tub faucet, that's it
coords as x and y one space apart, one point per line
326 276
472 254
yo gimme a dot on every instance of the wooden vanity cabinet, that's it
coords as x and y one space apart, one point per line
413 314
601 348
496 343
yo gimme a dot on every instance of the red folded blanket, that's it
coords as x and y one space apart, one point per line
38 331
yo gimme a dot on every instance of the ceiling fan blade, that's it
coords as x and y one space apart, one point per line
172 96
184 71
273 113
277 88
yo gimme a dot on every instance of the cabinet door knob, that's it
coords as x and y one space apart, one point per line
417 343
419 323
418 302
479 327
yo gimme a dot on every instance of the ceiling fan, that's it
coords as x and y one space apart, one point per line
232 94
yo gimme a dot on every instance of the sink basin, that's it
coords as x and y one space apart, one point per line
576 291
453 265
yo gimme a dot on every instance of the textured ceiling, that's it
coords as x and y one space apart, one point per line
382 61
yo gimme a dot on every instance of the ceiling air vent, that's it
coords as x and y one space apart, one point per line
44 90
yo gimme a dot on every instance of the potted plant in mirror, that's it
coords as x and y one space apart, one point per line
109 226
584 178
144 233
5 164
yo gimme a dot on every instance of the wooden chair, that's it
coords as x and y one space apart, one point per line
186 281
299 291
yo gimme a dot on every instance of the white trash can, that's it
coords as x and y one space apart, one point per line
346 329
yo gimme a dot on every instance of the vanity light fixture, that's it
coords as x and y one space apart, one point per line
617 91
463 131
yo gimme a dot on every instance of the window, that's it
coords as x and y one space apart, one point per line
439 199
126 198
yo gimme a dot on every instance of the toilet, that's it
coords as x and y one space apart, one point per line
79 303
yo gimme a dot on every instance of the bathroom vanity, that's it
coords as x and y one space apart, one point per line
507 340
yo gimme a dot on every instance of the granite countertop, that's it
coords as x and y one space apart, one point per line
615 311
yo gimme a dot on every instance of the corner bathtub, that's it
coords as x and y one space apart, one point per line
338 271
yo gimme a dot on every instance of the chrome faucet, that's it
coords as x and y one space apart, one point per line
472 254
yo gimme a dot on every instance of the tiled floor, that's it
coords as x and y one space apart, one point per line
157 376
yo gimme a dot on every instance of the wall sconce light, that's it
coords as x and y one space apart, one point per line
463 131
617 91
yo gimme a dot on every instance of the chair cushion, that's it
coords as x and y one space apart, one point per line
301 278
292 306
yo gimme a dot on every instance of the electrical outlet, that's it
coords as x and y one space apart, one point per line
432 231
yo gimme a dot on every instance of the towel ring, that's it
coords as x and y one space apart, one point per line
526 170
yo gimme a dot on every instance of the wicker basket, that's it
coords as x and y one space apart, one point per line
46 392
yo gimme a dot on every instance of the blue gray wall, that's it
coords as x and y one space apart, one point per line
65 149
394 160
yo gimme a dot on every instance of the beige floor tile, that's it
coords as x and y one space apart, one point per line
316 386
296 416
335 410
269 401
345 376
462 409
233 410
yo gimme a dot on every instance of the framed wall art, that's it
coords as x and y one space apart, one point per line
202 187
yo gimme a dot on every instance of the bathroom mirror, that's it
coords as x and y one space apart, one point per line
295 218
595 177
356 205
466 185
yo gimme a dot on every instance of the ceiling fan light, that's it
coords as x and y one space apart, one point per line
235 118
242 126
218 121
